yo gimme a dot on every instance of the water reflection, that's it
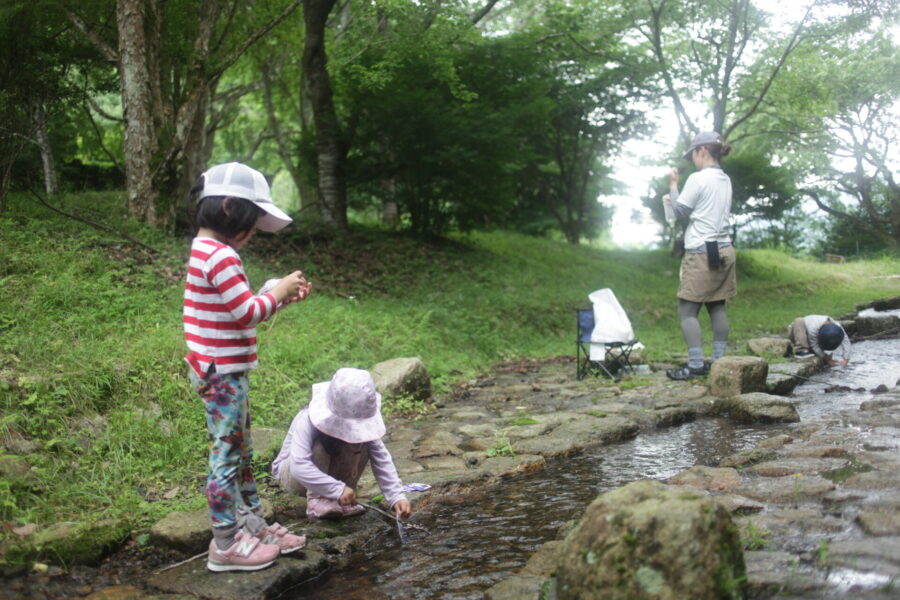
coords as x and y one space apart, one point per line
478 540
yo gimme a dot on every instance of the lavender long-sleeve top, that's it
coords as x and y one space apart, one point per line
297 448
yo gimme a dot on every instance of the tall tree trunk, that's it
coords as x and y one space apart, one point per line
308 197
331 154
39 116
139 140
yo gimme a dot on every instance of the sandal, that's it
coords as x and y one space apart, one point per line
686 373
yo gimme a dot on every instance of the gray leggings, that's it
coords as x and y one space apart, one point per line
690 325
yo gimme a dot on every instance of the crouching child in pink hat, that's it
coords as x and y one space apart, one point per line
329 444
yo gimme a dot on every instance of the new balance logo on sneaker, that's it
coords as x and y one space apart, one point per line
244 548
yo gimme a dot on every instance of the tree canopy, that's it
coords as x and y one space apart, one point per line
437 116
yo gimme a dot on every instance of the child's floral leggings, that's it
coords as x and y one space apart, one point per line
230 486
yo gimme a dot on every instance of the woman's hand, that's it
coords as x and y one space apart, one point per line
403 509
673 178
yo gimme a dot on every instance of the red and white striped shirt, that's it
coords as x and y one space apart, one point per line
220 310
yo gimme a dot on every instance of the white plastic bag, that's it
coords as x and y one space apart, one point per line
611 324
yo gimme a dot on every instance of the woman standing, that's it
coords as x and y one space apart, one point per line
707 268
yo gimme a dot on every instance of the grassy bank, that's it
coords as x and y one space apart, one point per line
93 391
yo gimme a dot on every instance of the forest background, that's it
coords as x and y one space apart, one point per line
449 165
439 116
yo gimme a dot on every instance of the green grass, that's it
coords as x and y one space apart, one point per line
90 328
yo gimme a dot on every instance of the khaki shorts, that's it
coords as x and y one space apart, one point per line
701 284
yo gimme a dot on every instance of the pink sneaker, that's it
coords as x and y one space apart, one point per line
246 554
323 508
353 510
278 535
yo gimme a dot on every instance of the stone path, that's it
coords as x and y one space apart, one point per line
539 411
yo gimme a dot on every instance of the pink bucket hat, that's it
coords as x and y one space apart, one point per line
348 407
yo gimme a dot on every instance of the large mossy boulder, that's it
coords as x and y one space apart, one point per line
647 540
71 543
735 375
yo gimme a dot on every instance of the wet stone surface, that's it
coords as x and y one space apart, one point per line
815 500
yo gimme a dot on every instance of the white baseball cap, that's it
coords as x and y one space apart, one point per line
240 181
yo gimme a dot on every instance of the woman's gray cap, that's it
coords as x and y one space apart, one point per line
701 139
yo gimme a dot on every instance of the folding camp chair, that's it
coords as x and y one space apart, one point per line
616 358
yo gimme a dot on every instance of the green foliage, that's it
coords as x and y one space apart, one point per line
755 538
523 420
822 553
501 447
630 382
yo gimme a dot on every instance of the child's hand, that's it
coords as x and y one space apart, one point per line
403 509
348 496
289 287
305 290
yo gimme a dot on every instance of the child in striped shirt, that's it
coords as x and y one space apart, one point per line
220 317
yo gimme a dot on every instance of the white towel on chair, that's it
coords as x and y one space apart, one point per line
611 324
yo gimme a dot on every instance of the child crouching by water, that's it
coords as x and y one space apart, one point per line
329 444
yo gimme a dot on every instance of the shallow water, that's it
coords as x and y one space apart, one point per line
484 537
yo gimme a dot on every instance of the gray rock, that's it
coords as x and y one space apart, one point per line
880 521
774 572
776 441
194 579
747 457
874 480
875 325
87 429
735 375
438 463
81 543
437 443
16 444
403 377
796 488
738 505
267 442
707 478
648 540
874 555
770 346
783 378
543 562
758 407
16 469
189 532
791 466
517 587
883 304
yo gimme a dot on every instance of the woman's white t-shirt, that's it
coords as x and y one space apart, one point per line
708 194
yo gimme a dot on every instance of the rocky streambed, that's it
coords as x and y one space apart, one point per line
515 456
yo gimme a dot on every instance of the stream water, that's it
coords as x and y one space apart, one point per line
476 540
